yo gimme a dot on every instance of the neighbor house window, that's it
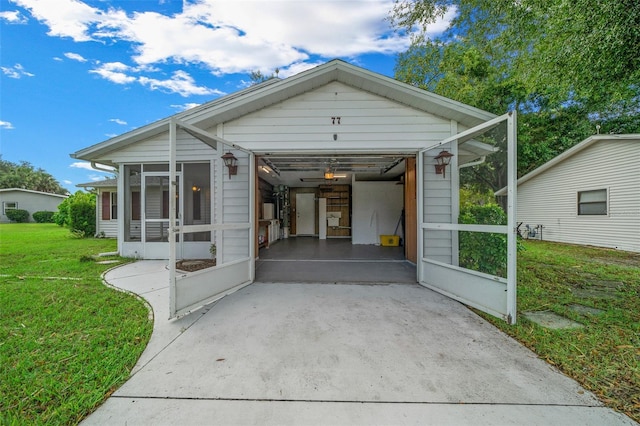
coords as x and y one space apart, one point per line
9 205
109 205
592 202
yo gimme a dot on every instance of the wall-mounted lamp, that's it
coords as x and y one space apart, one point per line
195 188
442 161
231 162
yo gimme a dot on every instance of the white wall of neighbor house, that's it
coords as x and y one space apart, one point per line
551 198
377 207
31 201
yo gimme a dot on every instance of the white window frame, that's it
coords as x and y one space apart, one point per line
606 202
5 206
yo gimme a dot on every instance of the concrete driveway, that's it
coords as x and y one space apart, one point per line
336 354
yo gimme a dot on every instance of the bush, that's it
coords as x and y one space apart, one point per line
82 213
18 215
61 217
479 251
78 213
43 217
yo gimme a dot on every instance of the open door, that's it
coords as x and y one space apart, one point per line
452 257
228 231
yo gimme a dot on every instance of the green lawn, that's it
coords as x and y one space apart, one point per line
66 340
604 355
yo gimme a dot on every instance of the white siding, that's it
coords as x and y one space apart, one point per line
550 199
156 150
235 208
438 208
367 122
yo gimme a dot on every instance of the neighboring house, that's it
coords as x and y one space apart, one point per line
25 199
106 206
308 155
588 195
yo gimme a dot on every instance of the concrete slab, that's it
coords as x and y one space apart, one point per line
552 320
337 354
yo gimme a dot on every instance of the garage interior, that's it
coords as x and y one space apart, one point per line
321 216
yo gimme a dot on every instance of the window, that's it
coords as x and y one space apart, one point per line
109 205
592 202
9 205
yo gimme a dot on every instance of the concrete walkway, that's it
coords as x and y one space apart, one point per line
332 354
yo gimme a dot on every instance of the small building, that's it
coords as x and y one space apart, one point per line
588 195
31 201
106 206
333 152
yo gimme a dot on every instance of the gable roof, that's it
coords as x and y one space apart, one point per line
570 153
274 91
104 183
33 192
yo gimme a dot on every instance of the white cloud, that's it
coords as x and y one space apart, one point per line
180 83
114 72
118 121
17 71
81 165
13 17
67 182
232 36
186 106
6 125
87 166
75 57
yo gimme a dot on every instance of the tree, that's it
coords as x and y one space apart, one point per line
25 176
582 50
495 56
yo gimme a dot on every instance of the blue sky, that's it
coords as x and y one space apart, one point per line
75 73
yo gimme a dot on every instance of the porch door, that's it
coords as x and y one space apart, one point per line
155 219
230 231
446 263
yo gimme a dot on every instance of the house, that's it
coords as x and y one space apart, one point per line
587 195
333 152
106 206
31 201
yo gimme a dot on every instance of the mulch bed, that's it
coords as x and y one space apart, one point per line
191 265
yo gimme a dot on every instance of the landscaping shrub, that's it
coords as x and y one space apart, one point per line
82 213
78 213
18 215
61 217
483 252
43 217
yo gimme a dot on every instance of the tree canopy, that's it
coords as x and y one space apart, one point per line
25 176
570 68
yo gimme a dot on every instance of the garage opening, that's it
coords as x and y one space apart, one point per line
335 217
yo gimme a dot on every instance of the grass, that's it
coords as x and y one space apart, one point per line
67 341
604 355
